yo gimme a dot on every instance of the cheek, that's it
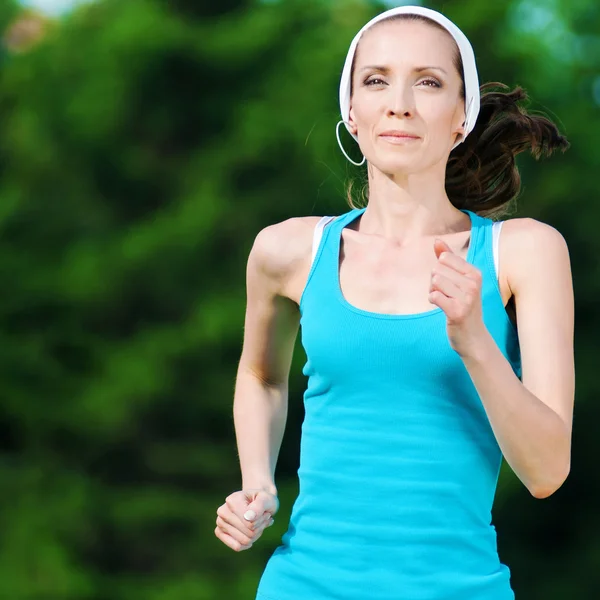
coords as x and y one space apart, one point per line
364 110
439 118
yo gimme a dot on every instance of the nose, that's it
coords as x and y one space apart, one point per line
401 101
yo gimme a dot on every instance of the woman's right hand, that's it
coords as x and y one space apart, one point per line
236 525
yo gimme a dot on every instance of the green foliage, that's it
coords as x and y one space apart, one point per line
144 145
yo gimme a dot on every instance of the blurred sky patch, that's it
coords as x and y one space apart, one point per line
53 7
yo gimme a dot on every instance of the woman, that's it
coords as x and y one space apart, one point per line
420 378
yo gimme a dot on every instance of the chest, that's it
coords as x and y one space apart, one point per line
385 278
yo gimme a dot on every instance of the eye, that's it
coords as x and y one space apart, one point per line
434 81
371 81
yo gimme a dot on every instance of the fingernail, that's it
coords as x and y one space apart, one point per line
249 515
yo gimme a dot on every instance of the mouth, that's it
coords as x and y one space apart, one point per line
399 139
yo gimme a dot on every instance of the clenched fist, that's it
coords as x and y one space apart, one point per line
244 516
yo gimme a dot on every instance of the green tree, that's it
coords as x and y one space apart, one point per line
144 144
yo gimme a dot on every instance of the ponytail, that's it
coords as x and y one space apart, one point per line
481 174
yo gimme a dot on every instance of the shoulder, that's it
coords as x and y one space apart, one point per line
531 249
280 249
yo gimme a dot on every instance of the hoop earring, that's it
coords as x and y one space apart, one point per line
337 134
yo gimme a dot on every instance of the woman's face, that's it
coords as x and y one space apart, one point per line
393 90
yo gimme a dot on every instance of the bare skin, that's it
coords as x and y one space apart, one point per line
233 529
375 274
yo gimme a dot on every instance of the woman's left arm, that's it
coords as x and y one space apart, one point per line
532 419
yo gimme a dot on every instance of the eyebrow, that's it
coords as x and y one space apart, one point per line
385 69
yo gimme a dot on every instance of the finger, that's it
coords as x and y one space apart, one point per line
238 506
234 532
258 524
261 528
442 284
224 511
269 502
266 520
259 531
230 541
450 273
456 262
439 299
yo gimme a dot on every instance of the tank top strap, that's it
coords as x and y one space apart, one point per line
477 241
482 254
321 277
485 252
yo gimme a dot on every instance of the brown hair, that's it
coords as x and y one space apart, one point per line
481 173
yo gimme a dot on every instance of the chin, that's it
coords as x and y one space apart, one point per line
397 165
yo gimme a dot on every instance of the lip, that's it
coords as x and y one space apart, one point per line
396 133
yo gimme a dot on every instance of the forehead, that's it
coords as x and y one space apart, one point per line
393 42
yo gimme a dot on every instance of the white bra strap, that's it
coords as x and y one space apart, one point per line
317 235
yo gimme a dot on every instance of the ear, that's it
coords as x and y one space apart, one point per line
460 129
462 119
351 120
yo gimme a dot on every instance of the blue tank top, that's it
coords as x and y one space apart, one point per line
398 460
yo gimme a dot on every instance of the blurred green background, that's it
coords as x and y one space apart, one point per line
143 145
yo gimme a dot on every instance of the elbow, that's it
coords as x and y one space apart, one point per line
541 491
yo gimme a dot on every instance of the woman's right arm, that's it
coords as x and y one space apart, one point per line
277 269
260 402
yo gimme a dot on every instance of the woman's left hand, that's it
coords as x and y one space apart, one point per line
456 288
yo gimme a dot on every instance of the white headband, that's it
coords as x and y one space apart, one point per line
468 58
